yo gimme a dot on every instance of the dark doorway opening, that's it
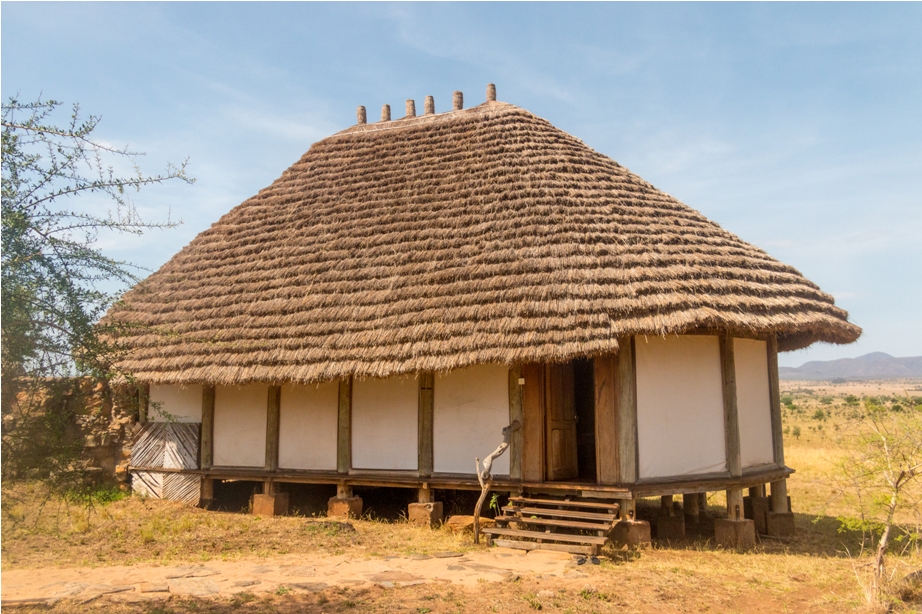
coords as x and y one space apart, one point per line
584 404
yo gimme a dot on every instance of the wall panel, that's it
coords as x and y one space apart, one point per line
385 423
307 427
471 409
182 403
240 425
680 422
753 402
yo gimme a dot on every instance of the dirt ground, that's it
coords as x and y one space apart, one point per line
494 580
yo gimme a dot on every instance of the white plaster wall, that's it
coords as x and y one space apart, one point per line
240 425
753 402
680 425
308 426
183 403
471 408
385 415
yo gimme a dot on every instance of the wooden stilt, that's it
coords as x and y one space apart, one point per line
690 507
703 504
735 504
780 497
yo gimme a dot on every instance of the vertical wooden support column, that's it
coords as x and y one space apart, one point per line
735 504
779 492
731 414
515 413
703 504
627 412
533 423
344 427
774 391
143 402
780 497
424 443
273 413
206 443
690 507
605 371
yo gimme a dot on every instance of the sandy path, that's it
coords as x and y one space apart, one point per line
293 572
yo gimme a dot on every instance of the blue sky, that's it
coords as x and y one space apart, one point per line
795 126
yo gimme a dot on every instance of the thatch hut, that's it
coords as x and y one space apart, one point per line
409 287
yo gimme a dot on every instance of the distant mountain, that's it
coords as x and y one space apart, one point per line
875 365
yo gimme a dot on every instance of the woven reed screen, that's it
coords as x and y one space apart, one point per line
166 445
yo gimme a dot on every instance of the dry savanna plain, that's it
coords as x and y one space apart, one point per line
130 555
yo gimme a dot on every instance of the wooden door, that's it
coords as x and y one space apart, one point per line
560 428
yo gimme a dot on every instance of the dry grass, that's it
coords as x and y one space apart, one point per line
138 530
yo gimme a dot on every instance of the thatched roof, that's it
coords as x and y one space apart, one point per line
429 243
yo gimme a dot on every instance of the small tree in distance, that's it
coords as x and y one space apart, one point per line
881 470
56 283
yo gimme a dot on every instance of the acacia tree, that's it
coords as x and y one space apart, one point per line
56 283
881 470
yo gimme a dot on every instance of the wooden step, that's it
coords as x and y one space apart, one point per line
572 548
569 524
554 537
570 514
593 505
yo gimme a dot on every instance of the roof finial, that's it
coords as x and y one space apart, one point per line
360 115
429 106
458 101
411 108
386 113
491 92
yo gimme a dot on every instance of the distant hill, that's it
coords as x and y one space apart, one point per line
876 365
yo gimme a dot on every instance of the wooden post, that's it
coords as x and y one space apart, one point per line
731 414
424 437
627 509
206 492
774 391
735 504
690 507
780 497
273 413
425 494
533 425
665 505
344 427
605 371
143 402
703 504
515 413
627 411
206 443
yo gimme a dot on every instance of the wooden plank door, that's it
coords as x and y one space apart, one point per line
560 429
533 422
